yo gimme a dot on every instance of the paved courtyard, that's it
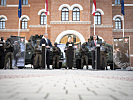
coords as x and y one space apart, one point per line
29 84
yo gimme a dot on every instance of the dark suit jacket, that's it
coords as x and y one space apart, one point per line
93 43
43 41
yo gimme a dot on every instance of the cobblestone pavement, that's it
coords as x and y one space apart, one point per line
28 84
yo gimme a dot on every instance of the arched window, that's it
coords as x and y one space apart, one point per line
3 2
43 19
76 14
2 23
117 2
97 18
25 2
118 23
24 23
65 14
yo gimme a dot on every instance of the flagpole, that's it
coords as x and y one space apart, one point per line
46 24
94 26
93 12
123 27
46 12
19 15
19 28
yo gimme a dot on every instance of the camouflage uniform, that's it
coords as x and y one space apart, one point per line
38 55
84 55
56 56
103 56
8 54
16 52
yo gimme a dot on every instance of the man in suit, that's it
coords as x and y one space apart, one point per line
48 45
94 42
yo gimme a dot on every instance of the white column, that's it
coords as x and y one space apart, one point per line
94 26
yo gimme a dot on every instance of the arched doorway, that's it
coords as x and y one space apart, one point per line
75 39
70 32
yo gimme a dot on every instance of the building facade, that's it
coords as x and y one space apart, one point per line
67 17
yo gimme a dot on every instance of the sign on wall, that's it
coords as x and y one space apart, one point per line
19 51
121 52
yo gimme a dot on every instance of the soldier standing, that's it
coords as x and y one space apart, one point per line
56 55
29 47
38 55
16 52
103 55
89 43
8 54
1 53
84 55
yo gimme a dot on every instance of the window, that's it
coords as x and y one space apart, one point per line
117 2
24 23
118 23
97 18
25 2
2 23
65 14
43 18
3 2
76 14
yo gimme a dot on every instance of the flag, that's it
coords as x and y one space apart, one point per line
46 7
94 7
122 7
19 9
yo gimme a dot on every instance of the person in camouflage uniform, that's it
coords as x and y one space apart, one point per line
84 55
8 54
56 55
103 56
16 52
38 55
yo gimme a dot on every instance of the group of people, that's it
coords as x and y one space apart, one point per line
42 53
101 55
6 53
42 56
